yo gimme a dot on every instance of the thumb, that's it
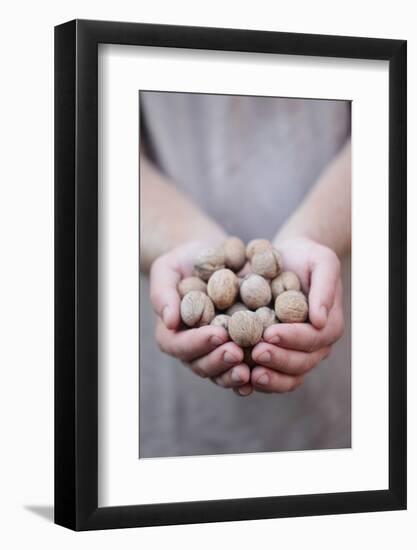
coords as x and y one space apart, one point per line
163 292
324 279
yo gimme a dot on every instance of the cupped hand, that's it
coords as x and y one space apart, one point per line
290 350
206 350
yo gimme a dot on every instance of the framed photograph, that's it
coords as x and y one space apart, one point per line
230 275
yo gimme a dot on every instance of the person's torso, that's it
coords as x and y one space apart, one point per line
246 161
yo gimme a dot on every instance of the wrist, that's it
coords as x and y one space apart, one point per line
291 235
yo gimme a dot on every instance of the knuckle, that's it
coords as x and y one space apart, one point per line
332 259
161 342
327 352
181 353
308 363
283 358
218 381
332 256
155 265
224 381
161 346
313 344
339 327
293 335
293 385
154 297
199 371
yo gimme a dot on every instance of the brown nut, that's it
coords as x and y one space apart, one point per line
267 263
286 281
196 309
238 306
255 291
245 328
267 316
234 253
257 245
191 283
291 307
208 261
223 287
221 320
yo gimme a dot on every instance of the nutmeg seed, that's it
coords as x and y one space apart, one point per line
255 291
208 261
291 307
221 320
267 263
267 316
223 287
191 283
196 309
287 280
245 328
234 253
238 306
257 245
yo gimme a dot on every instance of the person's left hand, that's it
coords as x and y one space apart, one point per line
290 350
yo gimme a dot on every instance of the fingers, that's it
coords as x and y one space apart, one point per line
296 336
287 361
325 274
189 344
234 377
304 336
165 299
244 391
217 361
269 381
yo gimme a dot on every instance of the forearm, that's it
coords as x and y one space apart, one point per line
168 218
325 214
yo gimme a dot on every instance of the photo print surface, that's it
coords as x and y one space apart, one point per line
276 375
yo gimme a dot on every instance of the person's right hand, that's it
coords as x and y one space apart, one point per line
206 350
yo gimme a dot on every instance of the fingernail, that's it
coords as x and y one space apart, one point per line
274 340
265 357
236 376
229 358
216 341
245 390
263 380
323 312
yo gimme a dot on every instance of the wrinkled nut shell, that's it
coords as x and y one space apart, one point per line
268 263
238 306
221 320
245 328
209 261
257 245
191 283
196 309
255 291
286 281
223 287
291 307
266 316
234 253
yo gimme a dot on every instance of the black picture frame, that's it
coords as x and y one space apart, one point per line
76 272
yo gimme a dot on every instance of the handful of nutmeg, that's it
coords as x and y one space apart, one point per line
246 306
